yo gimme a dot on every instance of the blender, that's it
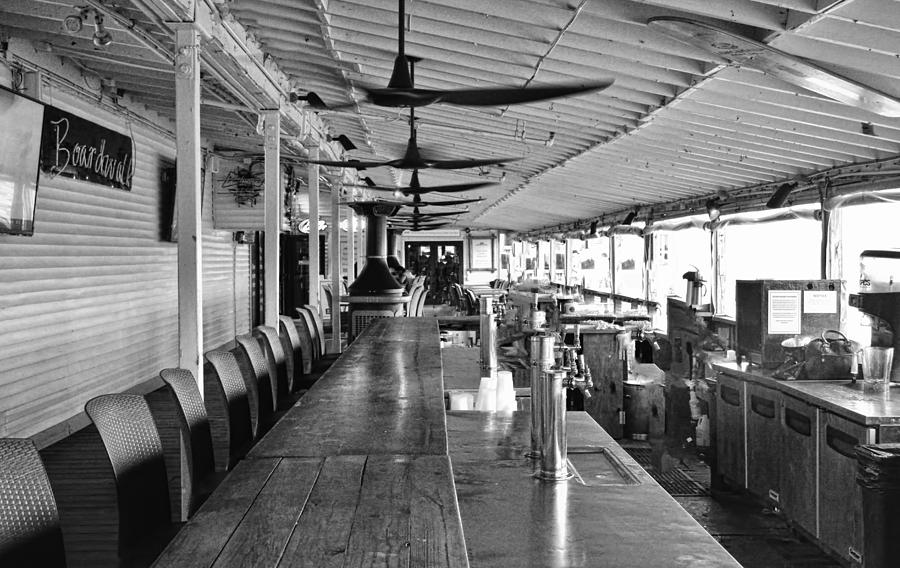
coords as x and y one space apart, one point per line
879 299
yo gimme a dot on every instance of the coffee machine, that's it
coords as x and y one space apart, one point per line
879 298
693 294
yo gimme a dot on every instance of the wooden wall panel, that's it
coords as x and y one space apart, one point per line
88 304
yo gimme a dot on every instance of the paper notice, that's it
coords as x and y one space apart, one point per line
819 302
784 311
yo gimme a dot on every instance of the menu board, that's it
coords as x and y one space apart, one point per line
77 148
784 312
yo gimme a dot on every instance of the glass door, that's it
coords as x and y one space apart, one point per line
441 264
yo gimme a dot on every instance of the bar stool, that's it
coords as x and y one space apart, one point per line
200 477
135 452
228 407
260 382
293 350
275 357
30 534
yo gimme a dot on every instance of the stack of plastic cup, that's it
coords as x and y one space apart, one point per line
506 393
462 401
487 394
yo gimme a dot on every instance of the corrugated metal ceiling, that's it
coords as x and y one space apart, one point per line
679 122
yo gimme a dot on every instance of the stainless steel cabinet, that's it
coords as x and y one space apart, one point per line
798 463
730 435
764 442
606 404
840 498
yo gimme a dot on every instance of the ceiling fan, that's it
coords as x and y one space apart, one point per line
416 215
412 159
417 202
401 91
415 187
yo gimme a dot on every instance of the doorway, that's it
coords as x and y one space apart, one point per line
440 262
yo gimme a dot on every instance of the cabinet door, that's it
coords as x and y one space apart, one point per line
763 442
606 401
840 498
730 444
799 435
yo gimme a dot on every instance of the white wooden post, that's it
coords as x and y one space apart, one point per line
273 203
314 228
188 199
334 260
351 244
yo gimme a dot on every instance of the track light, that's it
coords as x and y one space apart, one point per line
368 181
74 23
781 194
102 37
629 219
345 142
311 99
712 209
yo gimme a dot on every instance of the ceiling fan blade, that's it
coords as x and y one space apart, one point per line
436 214
499 96
357 164
463 164
455 188
447 203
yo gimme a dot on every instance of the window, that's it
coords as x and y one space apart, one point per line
595 265
676 252
629 269
785 250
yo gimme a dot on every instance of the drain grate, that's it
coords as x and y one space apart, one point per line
676 482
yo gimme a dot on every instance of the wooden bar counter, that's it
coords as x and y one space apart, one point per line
356 474
359 473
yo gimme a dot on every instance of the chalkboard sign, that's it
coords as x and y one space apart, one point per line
78 148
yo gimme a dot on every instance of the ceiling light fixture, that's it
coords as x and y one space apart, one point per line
311 99
345 142
74 23
629 219
102 37
780 196
713 209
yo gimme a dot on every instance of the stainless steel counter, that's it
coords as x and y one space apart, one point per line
611 514
852 401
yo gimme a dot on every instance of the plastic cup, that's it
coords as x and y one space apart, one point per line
876 364
462 401
506 393
487 394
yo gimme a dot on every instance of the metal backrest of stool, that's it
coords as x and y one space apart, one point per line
195 425
293 350
320 326
420 302
310 325
270 341
29 520
228 406
135 452
252 362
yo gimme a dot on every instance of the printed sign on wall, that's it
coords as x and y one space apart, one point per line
78 148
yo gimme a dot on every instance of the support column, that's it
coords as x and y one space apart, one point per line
351 245
273 215
334 260
314 228
188 199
